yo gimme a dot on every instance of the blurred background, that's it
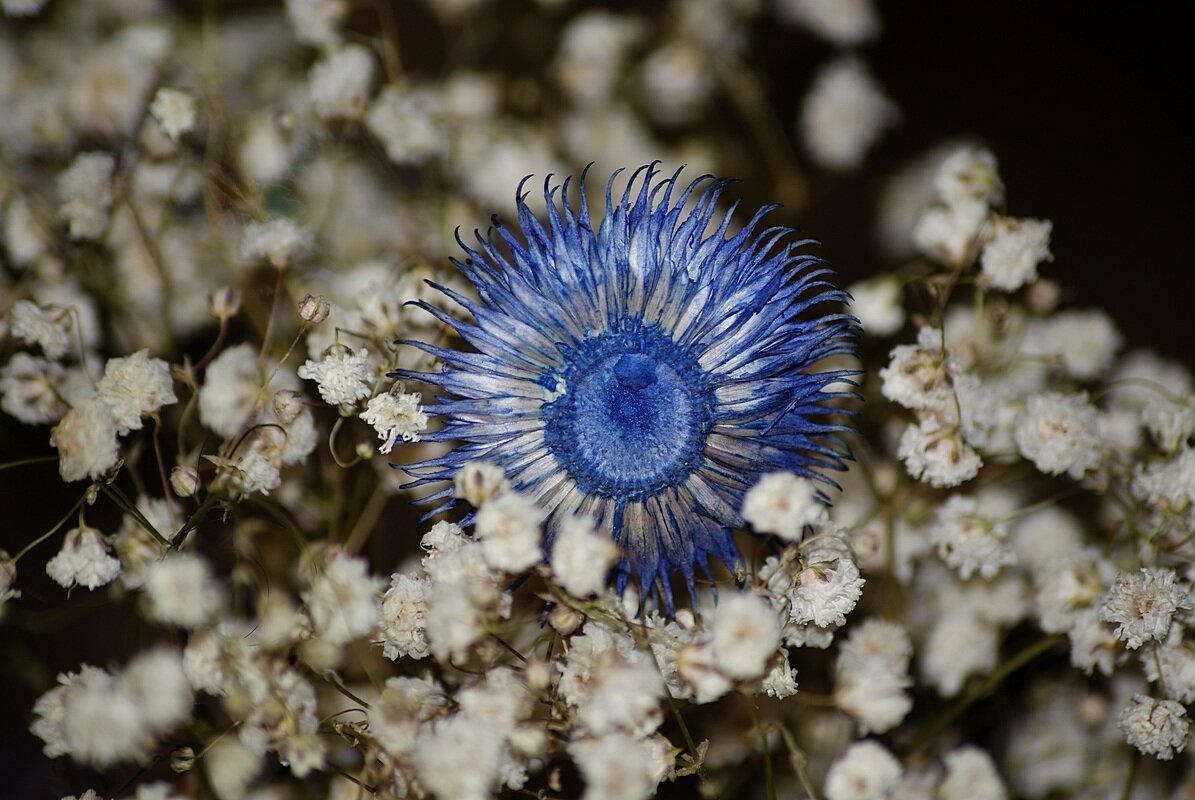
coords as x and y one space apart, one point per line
1088 112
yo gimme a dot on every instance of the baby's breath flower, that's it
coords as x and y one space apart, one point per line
1010 258
84 560
872 675
86 441
181 590
403 632
1170 424
229 387
343 376
1155 727
969 540
783 503
174 110
844 113
937 454
1059 433
277 241
86 192
877 304
866 771
478 481
508 527
29 389
395 415
581 557
1141 605
408 122
339 82
47 327
744 635
971 775
316 22
618 767
343 598
134 387
842 22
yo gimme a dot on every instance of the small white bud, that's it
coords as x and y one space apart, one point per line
288 405
224 302
184 481
564 619
314 309
478 481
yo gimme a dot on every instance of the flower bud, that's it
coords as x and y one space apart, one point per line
564 619
287 405
314 309
184 481
224 302
478 481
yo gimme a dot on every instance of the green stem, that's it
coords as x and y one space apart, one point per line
51 532
981 690
27 461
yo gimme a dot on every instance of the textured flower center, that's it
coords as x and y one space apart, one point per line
633 419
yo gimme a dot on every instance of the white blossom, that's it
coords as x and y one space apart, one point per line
971 775
841 22
400 623
478 481
29 389
408 122
509 529
86 192
1155 727
969 540
459 758
181 590
84 560
1059 433
1010 258
134 387
47 327
1141 605
872 675
86 441
343 376
343 598
316 22
174 110
877 305
581 557
783 503
938 454
277 241
866 771
339 82
395 416
230 384
844 113
617 767
744 635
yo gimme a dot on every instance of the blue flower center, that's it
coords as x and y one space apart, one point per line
634 413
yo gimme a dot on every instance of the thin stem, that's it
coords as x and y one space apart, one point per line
769 779
166 492
78 504
981 690
215 348
27 461
113 491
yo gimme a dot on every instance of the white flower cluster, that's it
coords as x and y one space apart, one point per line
220 233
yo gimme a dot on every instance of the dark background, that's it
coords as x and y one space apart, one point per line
1087 111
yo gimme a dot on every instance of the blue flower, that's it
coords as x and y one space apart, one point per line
645 373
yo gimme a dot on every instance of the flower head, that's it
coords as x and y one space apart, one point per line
643 372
